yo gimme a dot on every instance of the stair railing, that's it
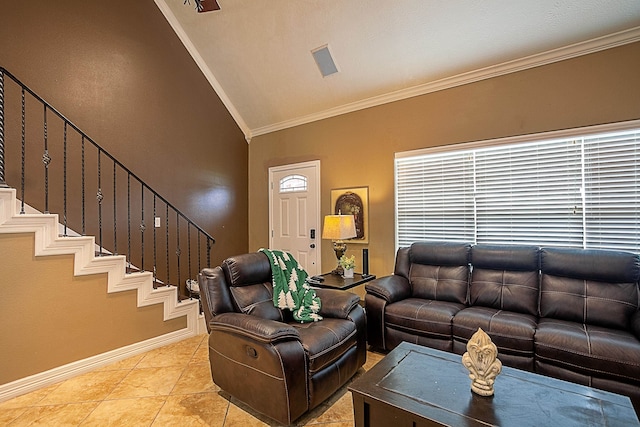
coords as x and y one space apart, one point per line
34 135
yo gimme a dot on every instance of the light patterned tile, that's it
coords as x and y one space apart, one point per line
91 386
147 382
196 378
241 415
338 411
201 409
29 399
372 359
336 424
177 354
126 364
55 415
125 412
7 415
202 353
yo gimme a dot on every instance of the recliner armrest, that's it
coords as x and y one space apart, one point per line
390 288
335 303
264 330
635 324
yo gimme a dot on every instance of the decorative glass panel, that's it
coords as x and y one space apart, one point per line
293 183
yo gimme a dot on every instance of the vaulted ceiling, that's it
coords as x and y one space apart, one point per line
257 54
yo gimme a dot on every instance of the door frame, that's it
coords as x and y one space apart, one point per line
315 164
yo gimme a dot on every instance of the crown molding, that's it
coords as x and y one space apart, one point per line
186 41
555 55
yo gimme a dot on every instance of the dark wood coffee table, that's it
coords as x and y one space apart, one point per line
418 386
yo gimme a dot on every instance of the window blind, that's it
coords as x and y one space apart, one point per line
434 197
575 191
612 191
530 194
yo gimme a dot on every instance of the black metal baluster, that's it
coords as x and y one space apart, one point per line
167 240
99 198
199 250
46 159
189 254
142 228
171 271
3 184
155 249
129 222
84 228
178 251
115 213
24 153
64 179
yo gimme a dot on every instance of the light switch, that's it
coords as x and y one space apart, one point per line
157 224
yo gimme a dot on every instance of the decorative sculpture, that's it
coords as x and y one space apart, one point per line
481 359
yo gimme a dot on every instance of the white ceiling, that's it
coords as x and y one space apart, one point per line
257 53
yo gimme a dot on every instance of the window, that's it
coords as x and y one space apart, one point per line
580 190
293 183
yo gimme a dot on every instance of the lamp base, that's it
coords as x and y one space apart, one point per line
339 271
340 247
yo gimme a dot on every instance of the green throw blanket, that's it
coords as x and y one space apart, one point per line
290 289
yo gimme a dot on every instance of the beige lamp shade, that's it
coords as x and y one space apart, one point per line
339 227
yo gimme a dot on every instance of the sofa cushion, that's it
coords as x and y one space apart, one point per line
511 332
589 349
597 287
440 282
256 300
422 317
505 277
326 341
249 278
247 269
440 271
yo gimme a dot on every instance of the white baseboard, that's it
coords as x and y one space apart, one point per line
48 242
64 372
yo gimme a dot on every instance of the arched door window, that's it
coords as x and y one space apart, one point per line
293 183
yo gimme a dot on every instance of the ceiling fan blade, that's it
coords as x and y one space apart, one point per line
208 6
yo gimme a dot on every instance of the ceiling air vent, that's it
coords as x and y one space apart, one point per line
324 61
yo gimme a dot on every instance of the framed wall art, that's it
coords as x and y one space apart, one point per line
353 201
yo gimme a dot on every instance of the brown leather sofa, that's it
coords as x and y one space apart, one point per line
566 313
261 356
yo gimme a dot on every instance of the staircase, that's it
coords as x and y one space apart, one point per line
155 267
48 242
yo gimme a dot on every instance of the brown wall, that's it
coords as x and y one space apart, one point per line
50 318
118 71
594 89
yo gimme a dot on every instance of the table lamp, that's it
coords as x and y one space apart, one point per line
338 228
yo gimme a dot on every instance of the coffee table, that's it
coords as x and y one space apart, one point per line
418 386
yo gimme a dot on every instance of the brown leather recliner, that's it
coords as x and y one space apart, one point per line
261 356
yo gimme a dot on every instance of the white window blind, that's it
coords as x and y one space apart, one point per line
530 194
612 196
575 191
435 198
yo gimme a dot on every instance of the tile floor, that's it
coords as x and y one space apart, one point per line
169 386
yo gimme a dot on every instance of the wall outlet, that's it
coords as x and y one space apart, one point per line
157 223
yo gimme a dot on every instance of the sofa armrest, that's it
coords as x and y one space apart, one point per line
260 362
336 303
253 327
389 288
635 324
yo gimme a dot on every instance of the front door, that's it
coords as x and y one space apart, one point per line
294 212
